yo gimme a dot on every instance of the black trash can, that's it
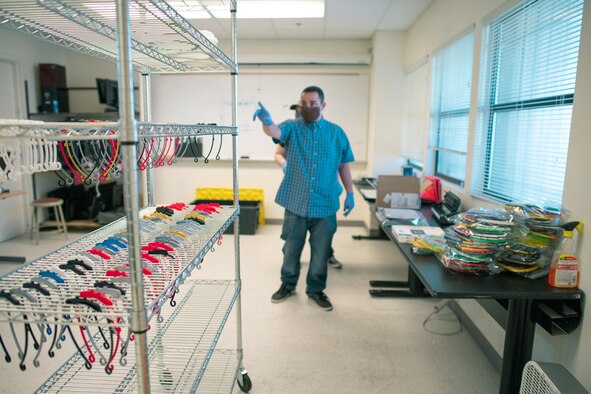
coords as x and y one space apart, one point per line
249 215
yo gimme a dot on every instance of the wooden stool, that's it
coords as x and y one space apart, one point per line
50 202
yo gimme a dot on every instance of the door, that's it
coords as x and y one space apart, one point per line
13 220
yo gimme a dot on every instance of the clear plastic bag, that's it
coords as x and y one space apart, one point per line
427 244
530 246
468 264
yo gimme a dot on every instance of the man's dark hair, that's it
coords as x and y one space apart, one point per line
315 89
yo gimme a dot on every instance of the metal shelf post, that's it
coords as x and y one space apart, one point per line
129 140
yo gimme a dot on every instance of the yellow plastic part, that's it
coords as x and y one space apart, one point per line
177 232
159 215
226 194
195 215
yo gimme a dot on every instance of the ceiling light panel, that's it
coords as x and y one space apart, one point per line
276 9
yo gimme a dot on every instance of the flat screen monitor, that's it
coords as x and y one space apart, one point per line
108 92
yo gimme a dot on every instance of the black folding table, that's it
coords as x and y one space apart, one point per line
520 293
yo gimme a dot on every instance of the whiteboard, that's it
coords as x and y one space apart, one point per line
205 98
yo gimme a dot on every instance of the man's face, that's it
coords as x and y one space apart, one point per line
312 100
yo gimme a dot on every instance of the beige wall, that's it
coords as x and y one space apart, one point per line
575 350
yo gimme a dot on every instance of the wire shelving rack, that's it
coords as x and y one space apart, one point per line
173 349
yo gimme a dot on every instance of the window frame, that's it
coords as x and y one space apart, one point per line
494 108
435 132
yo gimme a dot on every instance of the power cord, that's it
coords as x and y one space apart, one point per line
436 309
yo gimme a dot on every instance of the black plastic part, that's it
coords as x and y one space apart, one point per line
6 294
7 357
558 317
159 252
71 267
244 383
111 285
36 286
80 263
84 301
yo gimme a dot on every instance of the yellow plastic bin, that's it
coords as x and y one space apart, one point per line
252 208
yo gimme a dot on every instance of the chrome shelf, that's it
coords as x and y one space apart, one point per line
159 287
181 350
63 131
162 40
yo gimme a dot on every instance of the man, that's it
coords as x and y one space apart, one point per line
316 151
282 162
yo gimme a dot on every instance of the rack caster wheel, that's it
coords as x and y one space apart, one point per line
244 381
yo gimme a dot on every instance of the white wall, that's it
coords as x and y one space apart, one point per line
81 72
386 96
29 52
440 23
575 349
26 53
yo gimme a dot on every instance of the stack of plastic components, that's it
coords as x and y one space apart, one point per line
202 211
530 246
472 243
427 244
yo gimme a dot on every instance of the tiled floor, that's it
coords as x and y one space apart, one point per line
365 345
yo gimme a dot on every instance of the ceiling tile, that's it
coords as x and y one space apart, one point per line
402 13
294 34
354 14
220 30
254 34
347 34
344 19
301 24
256 28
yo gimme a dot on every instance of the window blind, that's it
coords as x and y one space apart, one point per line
528 74
414 110
450 107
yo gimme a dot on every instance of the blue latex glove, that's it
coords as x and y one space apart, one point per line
349 203
284 166
263 115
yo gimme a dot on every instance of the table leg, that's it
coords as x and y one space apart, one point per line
377 234
13 259
411 288
367 237
519 341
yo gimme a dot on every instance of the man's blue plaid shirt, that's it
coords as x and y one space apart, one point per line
314 153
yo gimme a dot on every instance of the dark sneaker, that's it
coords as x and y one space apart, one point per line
334 263
281 294
321 300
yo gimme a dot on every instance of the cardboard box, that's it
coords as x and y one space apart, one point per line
403 234
398 191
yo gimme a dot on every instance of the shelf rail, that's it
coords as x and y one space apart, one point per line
181 349
53 310
163 40
81 131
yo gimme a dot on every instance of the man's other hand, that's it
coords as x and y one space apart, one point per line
349 203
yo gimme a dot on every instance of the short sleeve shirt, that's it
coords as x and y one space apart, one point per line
314 153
